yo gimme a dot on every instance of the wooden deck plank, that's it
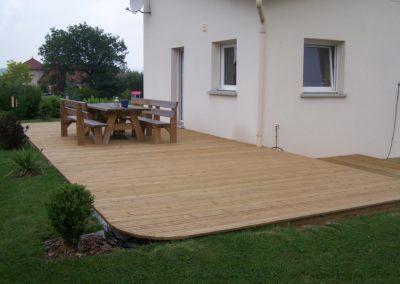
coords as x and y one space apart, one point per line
389 168
205 184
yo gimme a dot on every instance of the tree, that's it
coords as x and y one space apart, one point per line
90 50
130 81
12 83
16 75
133 80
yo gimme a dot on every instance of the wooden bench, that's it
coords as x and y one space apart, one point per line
76 112
151 119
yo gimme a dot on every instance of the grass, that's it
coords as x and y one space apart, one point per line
361 250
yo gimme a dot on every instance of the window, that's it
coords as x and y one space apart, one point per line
228 67
320 68
223 68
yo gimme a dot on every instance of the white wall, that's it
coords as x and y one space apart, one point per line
178 23
363 121
360 123
35 76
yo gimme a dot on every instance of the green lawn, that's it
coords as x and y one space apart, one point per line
361 250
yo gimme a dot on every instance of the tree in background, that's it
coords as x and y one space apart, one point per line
130 81
99 56
15 83
16 75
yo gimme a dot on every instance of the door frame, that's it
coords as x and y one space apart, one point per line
177 82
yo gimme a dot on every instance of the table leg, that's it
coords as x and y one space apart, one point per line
136 125
110 127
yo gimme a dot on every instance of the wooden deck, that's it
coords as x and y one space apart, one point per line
389 168
204 184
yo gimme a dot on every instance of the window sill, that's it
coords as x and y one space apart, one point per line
223 93
319 95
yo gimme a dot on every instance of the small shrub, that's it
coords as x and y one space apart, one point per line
69 211
49 107
26 161
12 133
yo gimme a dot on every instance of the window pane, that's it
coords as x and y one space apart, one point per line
230 66
317 68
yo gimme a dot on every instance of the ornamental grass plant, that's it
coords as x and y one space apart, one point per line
26 162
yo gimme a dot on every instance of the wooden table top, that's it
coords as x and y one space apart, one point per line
113 107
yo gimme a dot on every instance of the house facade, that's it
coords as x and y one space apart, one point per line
325 72
36 71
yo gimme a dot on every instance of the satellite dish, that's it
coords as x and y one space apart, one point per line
136 5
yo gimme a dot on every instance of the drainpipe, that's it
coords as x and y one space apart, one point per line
261 75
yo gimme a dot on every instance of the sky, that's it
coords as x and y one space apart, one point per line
24 24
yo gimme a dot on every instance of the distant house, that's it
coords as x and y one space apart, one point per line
36 71
327 72
41 75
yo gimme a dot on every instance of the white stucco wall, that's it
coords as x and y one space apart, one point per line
178 23
360 123
363 121
35 77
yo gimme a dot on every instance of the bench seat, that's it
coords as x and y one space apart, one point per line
150 119
76 112
153 121
88 122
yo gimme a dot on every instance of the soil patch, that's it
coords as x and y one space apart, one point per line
89 245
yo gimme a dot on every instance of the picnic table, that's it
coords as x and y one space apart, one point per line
114 113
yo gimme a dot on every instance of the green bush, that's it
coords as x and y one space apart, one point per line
84 93
49 107
5 113
12 133
5 98
69 210
28 102
26 161
95 100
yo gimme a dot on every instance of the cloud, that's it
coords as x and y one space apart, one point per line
24 24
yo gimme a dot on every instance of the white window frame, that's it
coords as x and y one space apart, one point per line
222 67
333 65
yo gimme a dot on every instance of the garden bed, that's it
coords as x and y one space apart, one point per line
89 245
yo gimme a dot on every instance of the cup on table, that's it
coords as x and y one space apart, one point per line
124 103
